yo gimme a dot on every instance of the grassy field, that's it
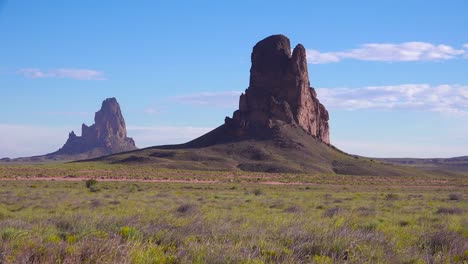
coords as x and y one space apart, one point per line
334 221
105 171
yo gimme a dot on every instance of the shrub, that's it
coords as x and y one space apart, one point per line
365 211
370 226
322 259
90 183
96 203
391 197
155 254
330 212
186 209
442 241
450 211
134 188
258 192
455 197
293 209
403 223
10 233
94 188
114 202
128 232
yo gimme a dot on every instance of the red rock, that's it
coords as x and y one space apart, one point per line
280 90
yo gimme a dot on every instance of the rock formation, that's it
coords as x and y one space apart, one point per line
107 135
280 90
279 94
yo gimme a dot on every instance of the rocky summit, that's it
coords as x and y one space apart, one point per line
107 135
279 94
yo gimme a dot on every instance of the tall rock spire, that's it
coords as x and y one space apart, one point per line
107 135
280 90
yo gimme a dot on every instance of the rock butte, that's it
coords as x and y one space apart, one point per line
107 136
279 93
280 89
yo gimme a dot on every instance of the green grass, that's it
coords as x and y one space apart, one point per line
135 222
103 170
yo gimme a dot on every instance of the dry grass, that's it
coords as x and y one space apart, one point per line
450 210
123 222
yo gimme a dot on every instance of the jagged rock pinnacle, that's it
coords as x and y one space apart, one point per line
107 135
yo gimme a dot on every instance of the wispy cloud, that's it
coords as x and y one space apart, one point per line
151 111
421 97
317 57
447 98
389 52
217 99
77 74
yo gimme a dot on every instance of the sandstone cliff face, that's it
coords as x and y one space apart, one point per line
107 135
279 90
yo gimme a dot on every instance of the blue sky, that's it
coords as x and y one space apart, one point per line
392 73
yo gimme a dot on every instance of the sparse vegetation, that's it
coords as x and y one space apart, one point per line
234 222
258 192
455 197
451 210
391 197
331 212
90 183
186 209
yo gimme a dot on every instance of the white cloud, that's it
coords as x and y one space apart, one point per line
316 57
77 74
28 140
151 111
217 99
465 46
420 97
388 52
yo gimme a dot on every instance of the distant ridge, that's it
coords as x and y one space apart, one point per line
455 164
